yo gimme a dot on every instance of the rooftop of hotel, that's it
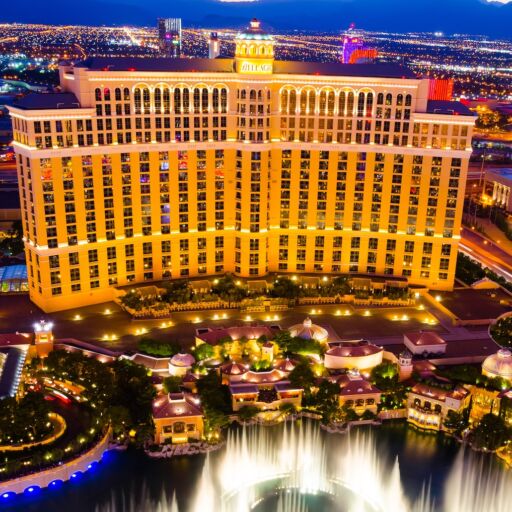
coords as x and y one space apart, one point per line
221 65
47 101
176 405
437 393
250 332
355 386
425 338
359 348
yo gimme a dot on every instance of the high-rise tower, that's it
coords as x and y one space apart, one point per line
169 36
213 46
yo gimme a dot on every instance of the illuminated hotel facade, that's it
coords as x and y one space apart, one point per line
149 169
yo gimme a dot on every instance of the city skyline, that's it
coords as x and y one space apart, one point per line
487 17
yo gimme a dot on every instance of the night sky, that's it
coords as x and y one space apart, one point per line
488 17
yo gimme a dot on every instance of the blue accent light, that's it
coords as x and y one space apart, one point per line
32 489
76 475
7 495
55 484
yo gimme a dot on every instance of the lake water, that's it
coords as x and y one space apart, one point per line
132 482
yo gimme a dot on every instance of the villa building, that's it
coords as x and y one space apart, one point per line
265 396
358 394
424 342
178 418
145 169
429 405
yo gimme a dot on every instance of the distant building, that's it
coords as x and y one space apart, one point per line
213 46
500 182
169 36
441 89
354 49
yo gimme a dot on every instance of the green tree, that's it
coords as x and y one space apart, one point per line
228 290
287 408
172 384
385 376
157 348
203 351
457 421
349 414
283 339
120 419
285 288
326 400
491 433
302 376
248 412
12 244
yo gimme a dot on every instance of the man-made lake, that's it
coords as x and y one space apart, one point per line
132 482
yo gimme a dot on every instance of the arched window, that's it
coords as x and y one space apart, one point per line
389 99
243 94
97 94
303 102
146 100
137 97
117 93
350 104
186 101
330 103
380 99
158 100
311 102
106 94
284 101
369 104
408 100
360 104
215 100
177 101
224 100
292 104
167 100
126 94
400 100
197 101
323 103
342 103
204 101
252 95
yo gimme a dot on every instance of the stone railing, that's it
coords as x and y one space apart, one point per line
61 473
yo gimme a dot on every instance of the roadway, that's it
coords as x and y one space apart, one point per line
486 252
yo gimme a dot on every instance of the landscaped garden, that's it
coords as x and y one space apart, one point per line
226 292
117 396
501 331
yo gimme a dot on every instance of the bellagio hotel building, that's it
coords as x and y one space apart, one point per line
143 170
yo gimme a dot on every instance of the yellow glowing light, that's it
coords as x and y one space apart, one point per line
367 313
438 298
224 316
347 312
248 318
107 311
77 318
197 320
